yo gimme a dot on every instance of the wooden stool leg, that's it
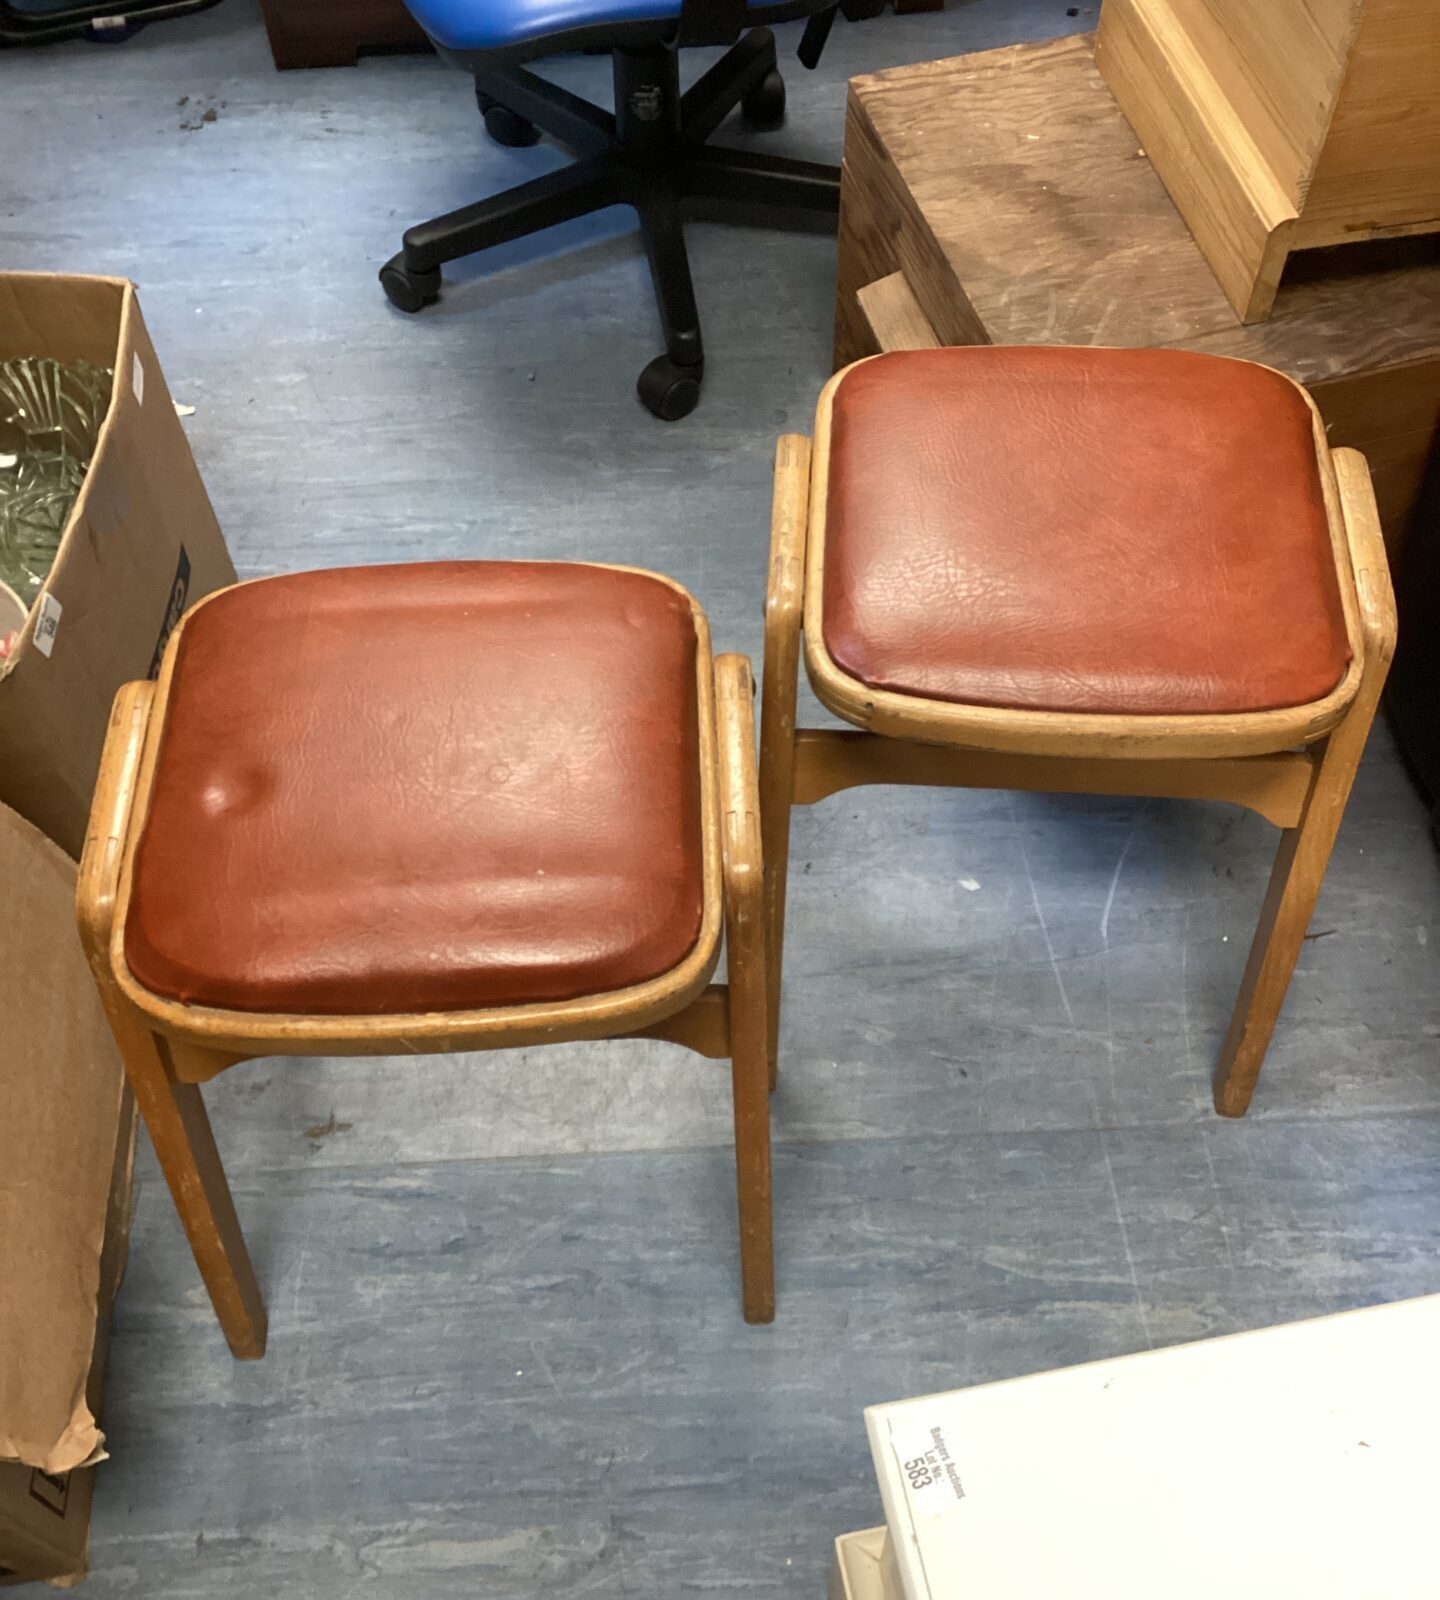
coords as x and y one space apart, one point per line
1295 881
1305 850
777 707
173 1111
745 956
174 1114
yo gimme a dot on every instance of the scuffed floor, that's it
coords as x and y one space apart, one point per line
506 1353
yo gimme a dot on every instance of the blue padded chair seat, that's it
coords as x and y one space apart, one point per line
464 25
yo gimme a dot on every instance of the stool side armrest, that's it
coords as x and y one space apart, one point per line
789 514
1368 558
784 609
110 815
739 782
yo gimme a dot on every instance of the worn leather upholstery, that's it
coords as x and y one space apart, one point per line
421 788
1076 530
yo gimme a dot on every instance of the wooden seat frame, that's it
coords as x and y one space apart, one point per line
171 1048
1294 766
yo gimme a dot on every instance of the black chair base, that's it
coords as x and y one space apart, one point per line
650 154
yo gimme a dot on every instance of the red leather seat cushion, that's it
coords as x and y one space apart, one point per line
424 788
1123 531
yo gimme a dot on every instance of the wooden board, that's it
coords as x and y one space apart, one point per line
1011 192
1279 66
1379 167
1282 126
1238 207
893 315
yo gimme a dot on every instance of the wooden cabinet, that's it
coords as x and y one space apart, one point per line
322 33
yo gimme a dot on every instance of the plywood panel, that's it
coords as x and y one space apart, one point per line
1380 166
1213 164
1280 66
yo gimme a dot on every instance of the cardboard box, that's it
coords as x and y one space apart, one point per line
142 543
864 1567
1290 1461
140 546
45 1516
67 1141
44 1524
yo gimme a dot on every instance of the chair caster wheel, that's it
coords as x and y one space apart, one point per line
764 103
504 125
408 291
669 390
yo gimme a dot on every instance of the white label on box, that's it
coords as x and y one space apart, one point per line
137 379
928 1469
47 624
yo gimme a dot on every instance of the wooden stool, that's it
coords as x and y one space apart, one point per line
451 806
1103 571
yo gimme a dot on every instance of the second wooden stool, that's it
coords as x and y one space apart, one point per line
1133 572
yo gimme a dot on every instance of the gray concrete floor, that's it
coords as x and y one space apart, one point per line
506 1353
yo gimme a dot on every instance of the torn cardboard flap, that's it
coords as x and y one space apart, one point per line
66 1145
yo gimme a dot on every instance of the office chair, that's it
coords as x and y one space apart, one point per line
651 153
